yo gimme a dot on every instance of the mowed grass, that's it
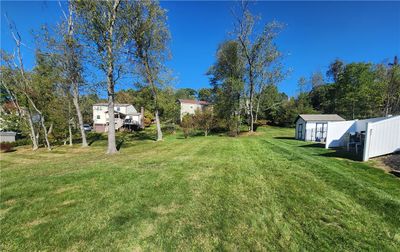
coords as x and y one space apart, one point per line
261 192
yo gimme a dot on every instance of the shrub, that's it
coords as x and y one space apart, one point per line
6 146
23 141
169 128
187 125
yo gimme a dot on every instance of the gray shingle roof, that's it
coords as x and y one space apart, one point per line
320 117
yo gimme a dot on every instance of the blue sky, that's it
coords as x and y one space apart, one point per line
316 33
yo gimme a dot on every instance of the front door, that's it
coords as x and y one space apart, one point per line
320 132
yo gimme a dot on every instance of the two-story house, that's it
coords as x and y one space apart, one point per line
126 116
190 106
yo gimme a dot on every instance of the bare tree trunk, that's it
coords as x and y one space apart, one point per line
69 123
32 134
24 115
158 124
257 109
75 99
46 137
112 148
251 101
70 133
75 85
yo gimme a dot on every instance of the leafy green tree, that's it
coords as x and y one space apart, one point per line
186 93
187 125
258 50
103 26
206 94
227 78
203 119
148 50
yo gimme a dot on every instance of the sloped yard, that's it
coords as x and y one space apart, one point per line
261 192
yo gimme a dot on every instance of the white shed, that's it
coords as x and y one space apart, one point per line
7 136
382 135
313 127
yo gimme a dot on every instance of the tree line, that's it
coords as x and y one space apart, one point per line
120 39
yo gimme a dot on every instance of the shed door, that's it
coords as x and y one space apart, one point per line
320 131
300 131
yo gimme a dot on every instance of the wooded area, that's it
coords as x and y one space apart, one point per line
129 40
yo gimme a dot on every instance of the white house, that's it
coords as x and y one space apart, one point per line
188 107
378 136
125 116
313 127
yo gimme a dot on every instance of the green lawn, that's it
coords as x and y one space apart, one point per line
261 192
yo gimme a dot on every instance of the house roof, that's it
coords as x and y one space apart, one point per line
320 117
115 104
193 102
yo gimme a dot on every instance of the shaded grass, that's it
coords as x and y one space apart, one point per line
260 192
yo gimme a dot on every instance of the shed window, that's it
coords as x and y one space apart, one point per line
98 116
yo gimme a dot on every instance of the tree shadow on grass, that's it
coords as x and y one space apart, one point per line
314 145
286 138
93 137
344 154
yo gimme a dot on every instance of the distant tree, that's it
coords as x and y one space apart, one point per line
148 50
186 93
103 26
24 89
227 78
302 85
205 94
391 78
317 79
335 70
203 119
187 125
256 49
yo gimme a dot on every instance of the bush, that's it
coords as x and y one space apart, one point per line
169 128
23 141
187 125
6 146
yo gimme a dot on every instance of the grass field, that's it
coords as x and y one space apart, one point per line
260 192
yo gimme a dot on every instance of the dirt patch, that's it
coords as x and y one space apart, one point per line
389 163
35 222
248 133
162 209
65 189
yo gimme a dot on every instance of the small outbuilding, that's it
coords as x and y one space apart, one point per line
7 136
314 127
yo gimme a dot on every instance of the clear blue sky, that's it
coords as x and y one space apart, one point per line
316 33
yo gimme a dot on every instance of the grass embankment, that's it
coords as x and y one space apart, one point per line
261 192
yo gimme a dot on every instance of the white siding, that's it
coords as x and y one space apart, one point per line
335 137
382 137
310 131
189 108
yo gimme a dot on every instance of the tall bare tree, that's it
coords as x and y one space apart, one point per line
148 50
257 50
24 85
103 26
73 66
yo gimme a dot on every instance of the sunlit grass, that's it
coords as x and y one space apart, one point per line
259 192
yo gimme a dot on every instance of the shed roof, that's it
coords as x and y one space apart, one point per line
320 117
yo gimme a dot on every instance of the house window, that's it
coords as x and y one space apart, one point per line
118 108
300 131
98 116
